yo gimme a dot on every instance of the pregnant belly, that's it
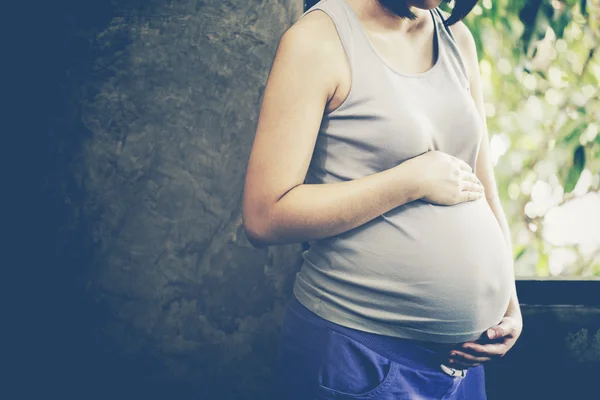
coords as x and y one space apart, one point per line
442 269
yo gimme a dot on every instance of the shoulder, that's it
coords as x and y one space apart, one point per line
313 42
313 32
464 39
310 51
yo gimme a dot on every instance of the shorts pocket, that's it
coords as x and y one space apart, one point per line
350 370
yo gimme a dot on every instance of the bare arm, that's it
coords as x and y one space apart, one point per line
311 211
278 207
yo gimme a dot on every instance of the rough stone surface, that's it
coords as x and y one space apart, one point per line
166 119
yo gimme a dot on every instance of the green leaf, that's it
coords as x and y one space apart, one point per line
569 133
583 5
548 10
559 24
506 24
575 170
494 11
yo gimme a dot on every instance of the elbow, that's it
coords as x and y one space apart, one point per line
254 238
254 230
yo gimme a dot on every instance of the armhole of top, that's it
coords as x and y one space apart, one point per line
347 52
461 60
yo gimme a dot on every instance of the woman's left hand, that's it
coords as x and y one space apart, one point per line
500 339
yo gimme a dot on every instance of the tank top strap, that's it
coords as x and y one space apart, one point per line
449 45
336 10
358 52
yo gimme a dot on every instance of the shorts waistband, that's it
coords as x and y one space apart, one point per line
417 354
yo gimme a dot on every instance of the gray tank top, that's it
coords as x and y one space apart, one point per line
419 271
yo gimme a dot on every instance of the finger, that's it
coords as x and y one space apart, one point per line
468 195
472 187
485 350
499 331
465 357
461 365
463 165
471 177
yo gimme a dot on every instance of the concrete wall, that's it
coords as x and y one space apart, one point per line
155 291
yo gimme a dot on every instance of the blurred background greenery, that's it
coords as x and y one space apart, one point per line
541 71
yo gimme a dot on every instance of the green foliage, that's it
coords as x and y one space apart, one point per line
575 169
540 75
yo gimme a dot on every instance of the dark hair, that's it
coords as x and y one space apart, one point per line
460 10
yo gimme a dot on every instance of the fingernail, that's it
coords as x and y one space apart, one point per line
491 333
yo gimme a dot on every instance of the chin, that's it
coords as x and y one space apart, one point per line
424 4
402 8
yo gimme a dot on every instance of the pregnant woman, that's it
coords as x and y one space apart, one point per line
372 147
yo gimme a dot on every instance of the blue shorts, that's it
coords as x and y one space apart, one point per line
322 360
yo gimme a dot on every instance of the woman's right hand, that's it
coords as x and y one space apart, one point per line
445 179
